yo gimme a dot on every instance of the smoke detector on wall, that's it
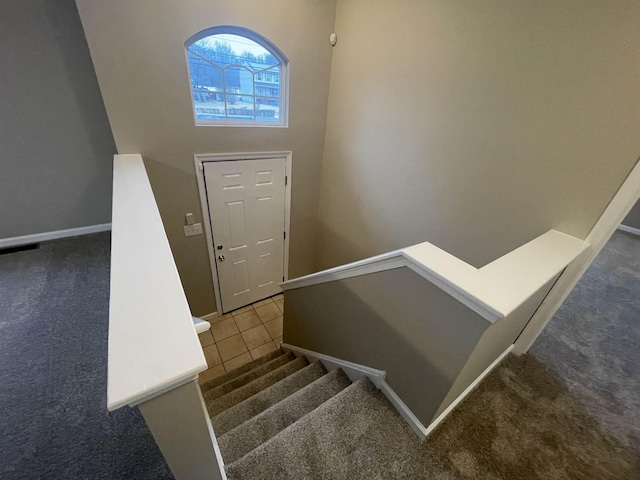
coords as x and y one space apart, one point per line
333 39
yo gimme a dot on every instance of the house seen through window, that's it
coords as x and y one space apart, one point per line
237 78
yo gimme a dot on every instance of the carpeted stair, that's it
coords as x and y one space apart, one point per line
283 417
247 386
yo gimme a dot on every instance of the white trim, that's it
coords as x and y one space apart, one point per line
209 316
268 45
404 411
214 439
199 160
632 230
493 291
206 220
467 391
46 236
288 171
159 392
379 263
153 346
354 371
201 325
622 202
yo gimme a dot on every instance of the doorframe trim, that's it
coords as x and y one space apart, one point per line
199 160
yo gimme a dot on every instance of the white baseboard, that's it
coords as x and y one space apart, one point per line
200 325
433 425
209 316
43 237
404 411
354 371
634 231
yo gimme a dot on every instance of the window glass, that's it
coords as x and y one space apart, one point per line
235 80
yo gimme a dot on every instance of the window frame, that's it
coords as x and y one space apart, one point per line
283 86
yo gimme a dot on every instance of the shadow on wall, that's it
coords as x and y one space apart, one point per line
633 217
394 321
176 194
56 139
78 68
358 234
86 91
342 250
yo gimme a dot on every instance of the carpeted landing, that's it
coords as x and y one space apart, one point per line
593 341
282 417
54 318
291 419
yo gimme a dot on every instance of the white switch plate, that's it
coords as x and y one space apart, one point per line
191 230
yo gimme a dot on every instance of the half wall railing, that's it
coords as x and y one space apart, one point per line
154 352
433 322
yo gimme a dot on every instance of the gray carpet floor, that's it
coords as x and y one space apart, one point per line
567 410
593 341
521 423
53 379
570 409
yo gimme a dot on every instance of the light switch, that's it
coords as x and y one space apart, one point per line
191 230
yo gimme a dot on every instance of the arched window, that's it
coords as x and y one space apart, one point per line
237 78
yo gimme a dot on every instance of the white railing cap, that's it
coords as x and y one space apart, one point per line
493 291
153 346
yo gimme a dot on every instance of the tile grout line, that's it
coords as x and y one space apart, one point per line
262 323
241 336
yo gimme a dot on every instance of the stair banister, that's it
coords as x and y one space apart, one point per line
431 321
154 355
493 291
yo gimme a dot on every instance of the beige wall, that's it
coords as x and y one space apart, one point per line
56 147
431 345
137 49
476 125
493 343
395 321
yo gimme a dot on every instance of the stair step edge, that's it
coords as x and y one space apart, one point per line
206 386
256 404
363 384
249 376
214 404
312 396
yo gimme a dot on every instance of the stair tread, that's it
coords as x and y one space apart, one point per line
355 434
220 404
206 386
257 430
249 376
254 405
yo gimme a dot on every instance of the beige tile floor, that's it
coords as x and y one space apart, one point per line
241 336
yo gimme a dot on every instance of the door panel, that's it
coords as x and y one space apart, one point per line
246 207
241 277
264 219
235 215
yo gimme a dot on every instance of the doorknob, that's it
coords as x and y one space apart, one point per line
220 247
221 258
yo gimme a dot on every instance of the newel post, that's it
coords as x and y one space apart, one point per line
182 429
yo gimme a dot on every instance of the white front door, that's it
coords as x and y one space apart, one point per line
246 201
